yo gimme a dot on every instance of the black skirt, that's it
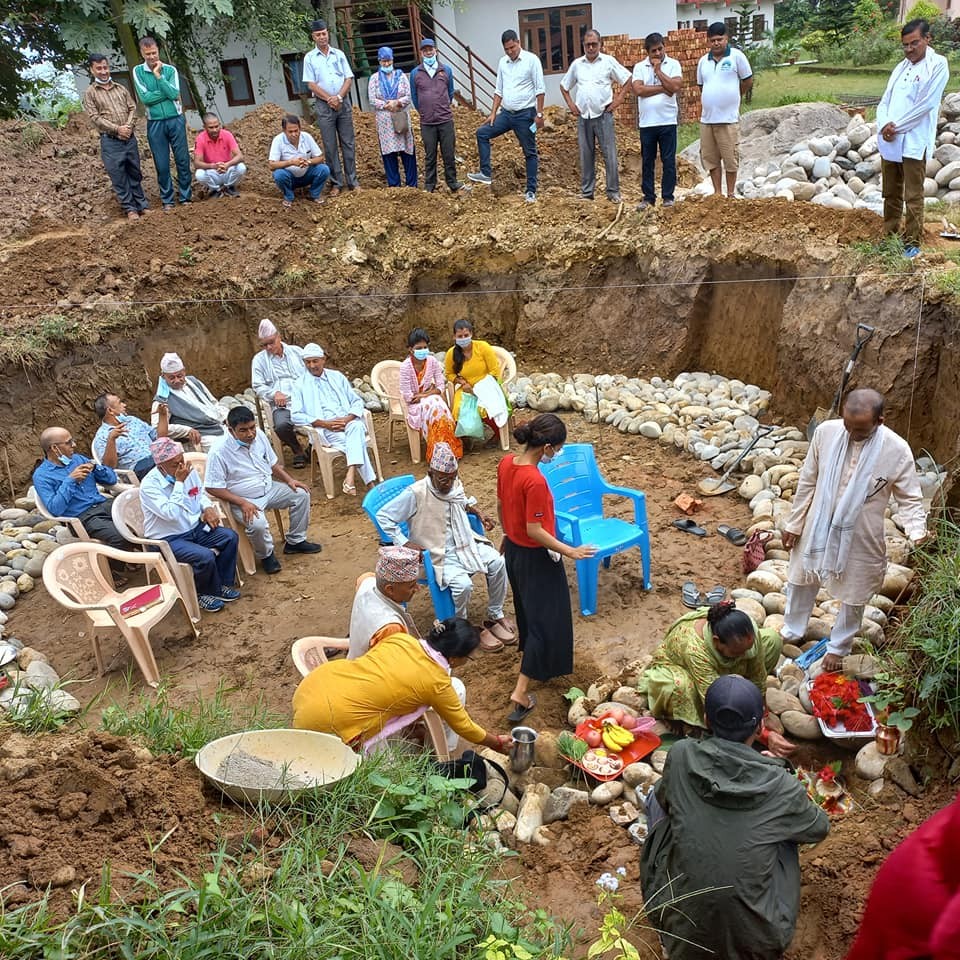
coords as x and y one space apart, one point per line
541 599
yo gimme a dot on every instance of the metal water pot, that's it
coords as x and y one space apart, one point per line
522 751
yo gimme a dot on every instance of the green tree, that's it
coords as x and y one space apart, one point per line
794 15
835 18
28 37
923 10
868 15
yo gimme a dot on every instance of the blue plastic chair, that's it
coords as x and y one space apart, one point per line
578 491
382 494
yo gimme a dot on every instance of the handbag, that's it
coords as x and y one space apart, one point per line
469 423
753 552
401 121
490 780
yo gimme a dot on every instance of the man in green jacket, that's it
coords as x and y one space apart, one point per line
720 870
158 89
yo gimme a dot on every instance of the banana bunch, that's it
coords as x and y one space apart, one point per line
615 737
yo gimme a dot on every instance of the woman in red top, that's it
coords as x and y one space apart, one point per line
532 552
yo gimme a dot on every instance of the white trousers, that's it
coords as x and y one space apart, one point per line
461 583
279 497
217 181
460 690
800 601
353 442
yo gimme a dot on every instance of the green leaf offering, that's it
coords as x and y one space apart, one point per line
573 748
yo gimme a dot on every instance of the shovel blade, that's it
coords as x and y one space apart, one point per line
713 486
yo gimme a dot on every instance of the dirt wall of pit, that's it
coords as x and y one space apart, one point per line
784 325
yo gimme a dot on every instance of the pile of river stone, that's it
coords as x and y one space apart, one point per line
842 171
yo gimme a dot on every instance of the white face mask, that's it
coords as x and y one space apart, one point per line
463 341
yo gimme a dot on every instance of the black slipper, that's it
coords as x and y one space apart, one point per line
520 712
734 534
716 595
688 526
691 596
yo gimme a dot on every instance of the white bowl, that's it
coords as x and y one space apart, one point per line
275 764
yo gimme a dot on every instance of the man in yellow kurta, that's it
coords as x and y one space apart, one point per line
835 531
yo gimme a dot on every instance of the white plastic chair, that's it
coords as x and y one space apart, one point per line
74 578
323 457
385 380
126 477
309 652
128 519
75 524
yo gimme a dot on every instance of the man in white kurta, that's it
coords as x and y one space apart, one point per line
907 130
324 399
193 414
835 531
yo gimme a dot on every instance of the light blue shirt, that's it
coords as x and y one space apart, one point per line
244 471
133 447
171 509
327 72
520 81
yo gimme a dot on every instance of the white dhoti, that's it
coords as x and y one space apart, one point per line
353 442
460 581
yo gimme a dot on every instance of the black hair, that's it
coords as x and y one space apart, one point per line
652 40
864 400
458 358
100 405
508 35
93 58
454 637
727 623
288 119
416 335
542 429
238 415
717 29
595 33
918 24
209 115
147 42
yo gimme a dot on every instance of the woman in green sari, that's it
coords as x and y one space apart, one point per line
701 646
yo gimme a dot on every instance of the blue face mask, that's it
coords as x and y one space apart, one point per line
163 389
463 341
65 461
387 69
241 443
421 353
170 478
123 418
430 61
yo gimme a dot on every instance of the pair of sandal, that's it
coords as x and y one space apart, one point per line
694 599
496 634
734 534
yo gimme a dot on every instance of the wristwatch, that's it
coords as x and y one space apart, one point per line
539 115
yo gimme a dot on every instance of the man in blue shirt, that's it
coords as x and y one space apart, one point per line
66 482
123 441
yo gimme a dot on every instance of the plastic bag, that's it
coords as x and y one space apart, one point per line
469 423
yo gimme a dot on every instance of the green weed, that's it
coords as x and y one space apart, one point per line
38 710
187 255
885 254
290 279
948 282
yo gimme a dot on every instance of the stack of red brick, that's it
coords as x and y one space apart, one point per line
687 46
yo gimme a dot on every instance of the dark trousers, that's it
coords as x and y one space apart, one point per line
902 183
336 132
283 427
519 122
664 139
391 168
98 522
313 178
165 136
591 133
211 571
142 467
444 136
121 160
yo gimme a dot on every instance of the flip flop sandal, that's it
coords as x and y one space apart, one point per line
520 712
349 489
691 596
500 631
716 595
688 526
734 534
489 643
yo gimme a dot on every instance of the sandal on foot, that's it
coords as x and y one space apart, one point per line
688 526
691 596
349 488
489 643
734 534
716 595
500 630
520 712
300 461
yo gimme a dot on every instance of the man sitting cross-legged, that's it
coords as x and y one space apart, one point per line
177 509
436 509
244 471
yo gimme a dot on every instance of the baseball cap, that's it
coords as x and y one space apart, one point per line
733 707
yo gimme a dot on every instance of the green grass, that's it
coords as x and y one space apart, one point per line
886 254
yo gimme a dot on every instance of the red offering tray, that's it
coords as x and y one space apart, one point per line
643 745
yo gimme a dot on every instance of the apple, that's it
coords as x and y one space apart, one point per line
593 738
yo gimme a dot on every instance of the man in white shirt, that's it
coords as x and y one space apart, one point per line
724 75
907 123
243 471
193 413
177 509
656 81
326 71
517 106
297 161
273 372
593 75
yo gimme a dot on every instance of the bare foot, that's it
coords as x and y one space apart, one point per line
832 663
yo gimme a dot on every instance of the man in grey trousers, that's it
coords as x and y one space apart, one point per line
326 71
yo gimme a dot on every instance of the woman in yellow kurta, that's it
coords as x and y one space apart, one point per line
468 362
366 700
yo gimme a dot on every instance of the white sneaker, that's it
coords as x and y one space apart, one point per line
530 197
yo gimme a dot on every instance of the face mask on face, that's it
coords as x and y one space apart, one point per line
430 61
421 353
387 69
463 341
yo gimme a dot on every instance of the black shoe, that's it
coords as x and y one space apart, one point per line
231 191
271 564
304 546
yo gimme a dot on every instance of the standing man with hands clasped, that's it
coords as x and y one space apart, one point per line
517 106
327 73
593 75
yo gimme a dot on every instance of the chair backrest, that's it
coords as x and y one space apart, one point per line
72 574
197 460
385 380
574 480
41 506
508 365
127 514
382 494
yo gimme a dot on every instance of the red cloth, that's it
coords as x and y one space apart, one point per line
914 906
524 498
214 151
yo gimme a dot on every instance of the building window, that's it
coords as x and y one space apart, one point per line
293 75
733 27
700 25
555 34
236 81
759 27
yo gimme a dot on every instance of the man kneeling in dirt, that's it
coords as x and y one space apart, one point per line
720 870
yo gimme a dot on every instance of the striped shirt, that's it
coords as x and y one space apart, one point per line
110 106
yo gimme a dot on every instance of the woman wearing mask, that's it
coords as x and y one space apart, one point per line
389 92
423 388
466 363
532 552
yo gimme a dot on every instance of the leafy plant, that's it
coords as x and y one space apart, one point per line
922 10
571 747
37 710
187 255
886 254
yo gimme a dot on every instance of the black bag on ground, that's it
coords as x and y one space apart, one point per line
490 780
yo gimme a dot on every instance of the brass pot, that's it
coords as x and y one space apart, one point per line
888 739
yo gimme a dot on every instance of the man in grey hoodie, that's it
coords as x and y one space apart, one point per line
720 869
